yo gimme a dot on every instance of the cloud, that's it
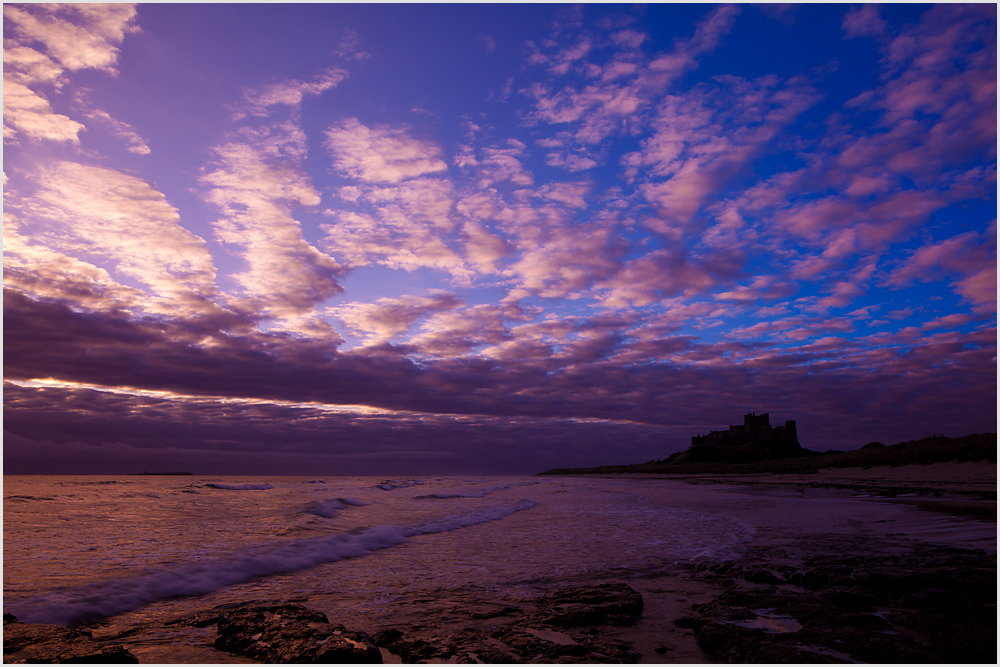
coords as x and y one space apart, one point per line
103 212
899 377
864 21
655 276
28 66
26 111
78 36
285 275
459 331
614 305
348 48
74 37
566 261
136 144
381 154
968 255
290 93
699 141
45 273
602 100
408 225
388 318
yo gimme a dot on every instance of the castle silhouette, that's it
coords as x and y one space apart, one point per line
755 428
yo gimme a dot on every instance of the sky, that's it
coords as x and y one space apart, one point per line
330 239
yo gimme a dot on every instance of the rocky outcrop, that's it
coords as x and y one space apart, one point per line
606 604
934 604
565 625
283 633
38 643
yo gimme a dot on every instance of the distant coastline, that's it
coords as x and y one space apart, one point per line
164 473
935 449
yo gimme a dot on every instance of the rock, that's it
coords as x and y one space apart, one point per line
40 643
537 630
411 650
615 604
944 594
283 633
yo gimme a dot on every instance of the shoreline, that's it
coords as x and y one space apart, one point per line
958 480
859 590
825 597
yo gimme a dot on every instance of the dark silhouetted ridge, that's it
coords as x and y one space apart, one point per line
698 459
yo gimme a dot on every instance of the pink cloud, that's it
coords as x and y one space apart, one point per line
864 21
702 140
965 255
381 154
95 211
566 261
78 36
26 111
285 276
48 274
657 275
457 332
388 318
291 92
947 322
980 289
621 88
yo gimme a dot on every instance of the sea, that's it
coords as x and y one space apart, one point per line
143 549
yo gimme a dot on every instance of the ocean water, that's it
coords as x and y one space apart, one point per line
148 548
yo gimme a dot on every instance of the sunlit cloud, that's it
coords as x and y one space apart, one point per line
99 211
381 155
562 232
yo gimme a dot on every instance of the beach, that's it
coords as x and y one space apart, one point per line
521 569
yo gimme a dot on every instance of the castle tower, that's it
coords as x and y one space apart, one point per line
790 434
756 423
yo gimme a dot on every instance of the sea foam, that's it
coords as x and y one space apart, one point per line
329 508
475 493
88 603
393 484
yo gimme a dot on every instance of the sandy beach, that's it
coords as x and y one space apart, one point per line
844 565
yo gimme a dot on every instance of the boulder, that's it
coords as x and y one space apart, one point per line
613 604
40 643
283 633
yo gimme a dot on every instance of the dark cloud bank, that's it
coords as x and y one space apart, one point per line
447 416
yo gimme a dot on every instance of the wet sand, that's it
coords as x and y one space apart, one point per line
961 479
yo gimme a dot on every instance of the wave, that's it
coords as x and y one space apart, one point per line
454 521
478 493
329 508
241 487
94 601
393 484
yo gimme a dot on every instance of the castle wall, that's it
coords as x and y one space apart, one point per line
754 428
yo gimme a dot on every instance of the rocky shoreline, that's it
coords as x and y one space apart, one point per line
822 599
851 599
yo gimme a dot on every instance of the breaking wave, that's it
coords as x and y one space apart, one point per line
477 493
329 508
241 487
88 603
393 484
